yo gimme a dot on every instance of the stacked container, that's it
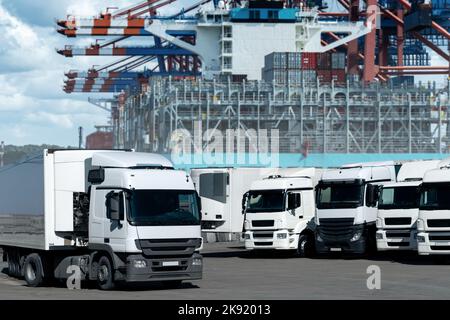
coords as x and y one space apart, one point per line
290 67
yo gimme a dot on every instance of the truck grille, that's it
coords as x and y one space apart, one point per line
440 247
397 234
263 243
263 235
437 238
397 221
168 247
438 223
398 244
263 223
336 227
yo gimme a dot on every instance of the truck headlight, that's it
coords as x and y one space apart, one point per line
356 236
420 224
197 262
247 236
420 238
379 235
379 223
246 225
281 235
138 264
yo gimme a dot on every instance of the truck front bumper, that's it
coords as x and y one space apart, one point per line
270 240
396 239
433 243
141 269
345 242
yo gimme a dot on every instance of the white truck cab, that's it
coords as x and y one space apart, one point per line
398 207
346 200
279 214
433 224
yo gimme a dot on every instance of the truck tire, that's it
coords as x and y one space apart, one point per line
33 270
105 274
13 265
305 248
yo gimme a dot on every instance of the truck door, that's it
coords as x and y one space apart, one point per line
115 219
295 207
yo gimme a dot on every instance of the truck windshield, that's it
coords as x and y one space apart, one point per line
163 207
339 195
265 201
399 198
435 196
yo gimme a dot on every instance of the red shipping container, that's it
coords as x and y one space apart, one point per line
338 75
309 60
324 76
99 140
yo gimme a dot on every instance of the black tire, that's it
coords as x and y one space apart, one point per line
13 265
33 270
172 284
105 274
306 247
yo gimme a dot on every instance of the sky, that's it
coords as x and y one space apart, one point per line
33 107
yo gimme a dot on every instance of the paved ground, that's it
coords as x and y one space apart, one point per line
232 273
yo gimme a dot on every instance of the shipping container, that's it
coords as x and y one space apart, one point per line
338 76
324 61
324 76
276 60
99 140
309 60
338 60
294 60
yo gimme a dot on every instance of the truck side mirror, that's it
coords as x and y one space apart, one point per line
96 176
244 201
114 206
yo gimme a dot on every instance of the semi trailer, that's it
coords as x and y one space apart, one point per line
346 202
279 213
398 207
433 224
221 191
117 216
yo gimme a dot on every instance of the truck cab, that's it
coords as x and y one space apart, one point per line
398 207
346 201
433 224
279 214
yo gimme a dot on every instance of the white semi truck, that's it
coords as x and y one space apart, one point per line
279 213
221 191
433 224
116 215
398 207
346 201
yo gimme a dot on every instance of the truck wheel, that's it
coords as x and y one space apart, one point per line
33 271
105 274
172 284
305 246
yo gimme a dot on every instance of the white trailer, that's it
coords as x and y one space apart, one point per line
221 191
398 207
433 224
279 213
346 201
117 215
